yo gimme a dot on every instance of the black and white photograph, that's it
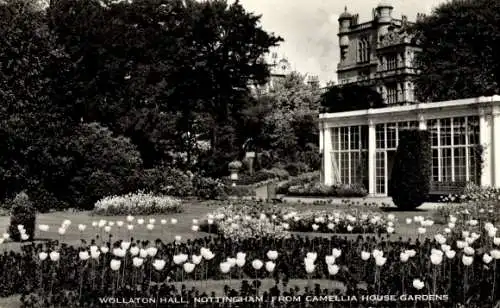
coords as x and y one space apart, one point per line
251 153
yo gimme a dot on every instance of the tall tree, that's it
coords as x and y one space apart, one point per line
461 51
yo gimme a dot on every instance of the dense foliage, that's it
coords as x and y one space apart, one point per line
460 43
98 94
411 172
339 98
22 219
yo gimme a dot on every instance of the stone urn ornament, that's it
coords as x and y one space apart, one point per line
234 168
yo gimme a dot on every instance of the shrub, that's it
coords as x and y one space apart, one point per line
165 181
296 168
137 204
239 191
22 213
276 172
411 172
317 189
208 188
297 181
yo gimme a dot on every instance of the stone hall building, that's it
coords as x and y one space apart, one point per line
359 146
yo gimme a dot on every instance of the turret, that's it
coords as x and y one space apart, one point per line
345 20
384 17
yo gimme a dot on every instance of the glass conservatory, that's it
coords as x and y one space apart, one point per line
359 146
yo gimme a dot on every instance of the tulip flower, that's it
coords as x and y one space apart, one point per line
272 254
43 255
450 254
445 247
173 221
81 227
152 221
163 221
134 250
421 230
451 225
418 284
150 227
107 229
331 226
365 255
380 261
210 221
257 264
130 227
43 228
240 262
125 245
436 259
66 223
404 257
196 259
111 223
453 219
143 253
333 269
95 254
137 262
310 267
119 252
195 228
408 221
130 218
178 259
329 259
140 221
54 256
312 256
231 261
495 253
315 227
469 250
104 249
152 251
270 265
391 217
336 252
119 223
447 230
95 224
440 239
390 230
225 267
377 253
24 236
84 255
466 260
465 234
473 222
349 228
61 231
178 238
188 267
159 264
115 264
461 244
487 258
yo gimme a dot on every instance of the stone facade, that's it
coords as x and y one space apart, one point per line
379 53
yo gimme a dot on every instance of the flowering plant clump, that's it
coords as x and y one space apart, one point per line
235 165
137 204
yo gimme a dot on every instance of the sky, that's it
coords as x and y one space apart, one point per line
309 27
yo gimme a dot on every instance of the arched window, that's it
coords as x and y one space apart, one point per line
363 50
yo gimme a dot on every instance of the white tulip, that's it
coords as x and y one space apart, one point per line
447 230
336 252
81 227
453 219
436 259
404 257
143 253
130 218
159 264
349 228
137 262
333 269
421 230
241 255
310 267
391 217
188 267
465 234
495 253
54 256
178 259
152 251
107 229
473 222
173 221
111 223
95 254
104 249
102 223
24 236
43 228
451 225
152 221
95 224
150 227
119 223
140 221
377 253
445 247
270 265
411 253
134 250
379 261
466 260
487 258
231 261
408 221
178 238
61 231
196 259
450 254
461 244
225 267
365 255
329 259
195 228
315 227
257 264
163 221
418 284
240 262
115 264
272 254
130 227
496 241
66 223
469 250
125 245
390 230
43 255
84 255
440 239
312 255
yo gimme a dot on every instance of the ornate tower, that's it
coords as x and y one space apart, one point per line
383 18
345 20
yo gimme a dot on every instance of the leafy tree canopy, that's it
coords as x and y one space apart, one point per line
461 51
339 98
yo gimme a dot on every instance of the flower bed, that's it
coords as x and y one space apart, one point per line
321 190
137 204
459 265
245 218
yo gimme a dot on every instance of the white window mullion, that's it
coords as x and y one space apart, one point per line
339 158
438 132
385 160
452 150
349 155
467 149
